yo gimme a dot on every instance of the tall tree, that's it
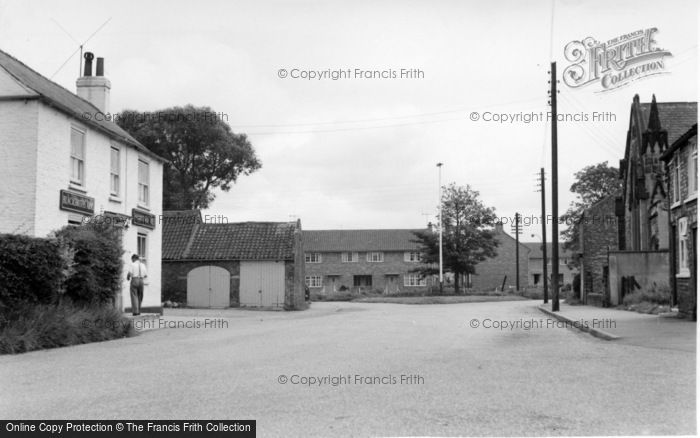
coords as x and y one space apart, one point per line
468 237
593 183
202 152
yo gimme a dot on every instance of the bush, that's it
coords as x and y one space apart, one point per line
655 294
96 265
51 326
31 271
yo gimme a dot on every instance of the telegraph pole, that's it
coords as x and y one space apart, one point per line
517 251
516 230
555 192
544 236
439 166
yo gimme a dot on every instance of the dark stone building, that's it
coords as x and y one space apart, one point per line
598 235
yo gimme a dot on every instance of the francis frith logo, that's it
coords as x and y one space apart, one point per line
616 62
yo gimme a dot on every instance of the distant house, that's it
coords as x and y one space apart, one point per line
363 260
246 264
535 267
681 160
64 163
493 273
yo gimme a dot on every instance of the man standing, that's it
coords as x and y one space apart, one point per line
137 272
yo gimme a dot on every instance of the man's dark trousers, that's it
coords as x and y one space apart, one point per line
136 295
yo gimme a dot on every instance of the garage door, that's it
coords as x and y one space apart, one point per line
208 286
262 284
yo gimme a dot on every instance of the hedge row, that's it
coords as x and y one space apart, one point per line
78 264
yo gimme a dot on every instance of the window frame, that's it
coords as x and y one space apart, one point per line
112 173
408 256
349 257
683 259
370 258
309 281
414 280
313 257
141 201
80 181
139 238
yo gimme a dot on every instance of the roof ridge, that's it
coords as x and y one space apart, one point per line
48 79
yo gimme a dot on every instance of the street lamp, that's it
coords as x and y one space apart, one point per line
439 166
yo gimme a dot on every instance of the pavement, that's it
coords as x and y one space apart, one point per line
365 369
630 328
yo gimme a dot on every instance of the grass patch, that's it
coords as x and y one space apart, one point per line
51 326
653 300
439 299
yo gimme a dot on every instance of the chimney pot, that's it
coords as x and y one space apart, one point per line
87 71
100 69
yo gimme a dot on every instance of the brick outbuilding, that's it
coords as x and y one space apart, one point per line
246 264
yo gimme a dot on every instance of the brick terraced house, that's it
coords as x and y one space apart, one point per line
362 261
681 160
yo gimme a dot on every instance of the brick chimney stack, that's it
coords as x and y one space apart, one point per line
94 89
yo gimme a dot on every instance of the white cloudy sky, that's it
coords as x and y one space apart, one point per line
362 153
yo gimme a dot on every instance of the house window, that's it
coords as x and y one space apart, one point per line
412 256
114 170
683 268
313 281
375 257
312 257
676 179
362 280
349 257
77 156
693 173
143 182
142 246
414 280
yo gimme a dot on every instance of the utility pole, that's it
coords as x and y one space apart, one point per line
544 236
516 231
555 192
439 166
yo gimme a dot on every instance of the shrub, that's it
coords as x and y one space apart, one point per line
50 326
31 271
96 265
655 294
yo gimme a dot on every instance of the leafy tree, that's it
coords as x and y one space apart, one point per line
202 152
467 236
593 183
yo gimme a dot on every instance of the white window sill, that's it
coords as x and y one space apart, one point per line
692 197
77 187
676 204
116 199
683 274
142 206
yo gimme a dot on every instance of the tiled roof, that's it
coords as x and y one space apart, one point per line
65 100
536 250
243 241
360 240
177 231
675 117
185 237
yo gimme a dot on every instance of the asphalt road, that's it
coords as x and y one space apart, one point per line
465 381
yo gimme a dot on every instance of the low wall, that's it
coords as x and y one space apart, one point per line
632 270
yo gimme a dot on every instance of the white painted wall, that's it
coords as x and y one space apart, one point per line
35 166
